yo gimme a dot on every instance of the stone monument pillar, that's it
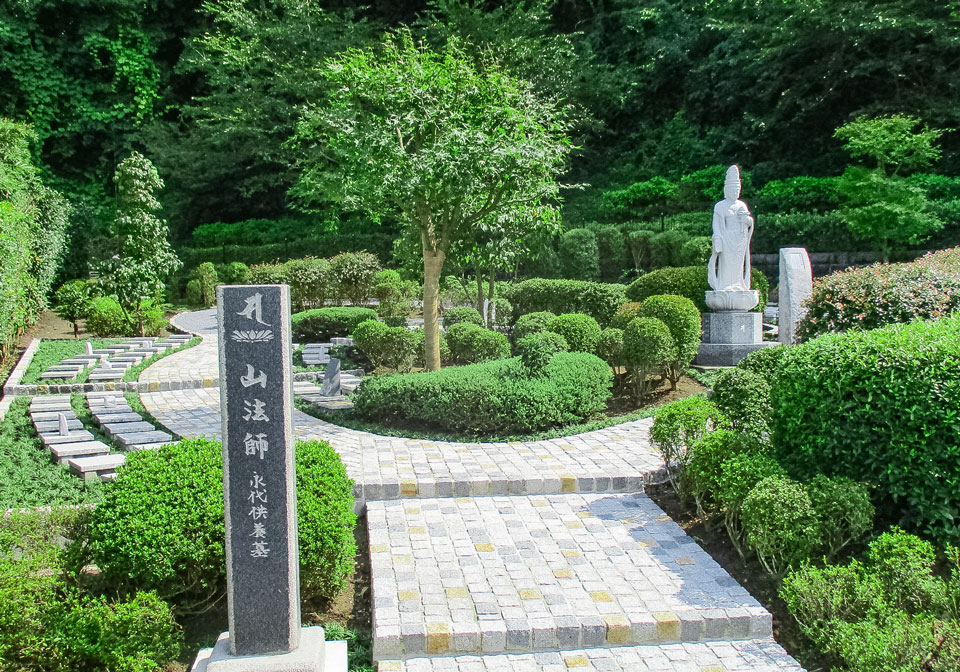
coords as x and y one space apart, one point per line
260 498
796 286
731 330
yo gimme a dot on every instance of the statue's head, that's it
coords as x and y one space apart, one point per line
731 185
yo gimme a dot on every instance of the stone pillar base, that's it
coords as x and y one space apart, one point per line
732 327
314 654
727 354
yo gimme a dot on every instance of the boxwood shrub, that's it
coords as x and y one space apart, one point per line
536 350
459 314
470 344
161 527
596 299
878 406
531 323
322 324
683 320
581 332
688 281
493 397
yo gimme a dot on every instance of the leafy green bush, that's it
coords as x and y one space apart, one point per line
49 623
368 336
395 297
666 249
639 243
236 273
459 314
844 508
310 282
581 332
71 302
871 297
799 194
626 314
780 524
420 336
612 251
738 475
648 348
878 406
503 315
536 350
904 564
531 323
207 277
267 274
580 255
321 324
598 300
705 467
765 361
497 396
105 317
470 344
696 251
194 294
744 398
690 282
683 321
610 347
355 275
677 426
161 526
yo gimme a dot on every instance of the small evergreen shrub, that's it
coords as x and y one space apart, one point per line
648 348
531 323
580 255
581 332
368 336
536 350
666 248
105 317
626 314
904 564
677 426
610 347
690 282
267 274
194 293
503 315
470 344
696 251
683 320
71 301
596 299
844 508
236 273
744 398
354 275
780 524
395 297
705 466
738 475
493 397
765 361
322 324
458 314
207 277
310 282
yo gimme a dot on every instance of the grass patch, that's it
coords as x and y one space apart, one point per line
133 373
30 478
359 646
52 352
136 405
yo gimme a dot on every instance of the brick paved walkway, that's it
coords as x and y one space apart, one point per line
566 566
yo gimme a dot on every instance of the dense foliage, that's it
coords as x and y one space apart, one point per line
321 324
689 282
493 397
598 300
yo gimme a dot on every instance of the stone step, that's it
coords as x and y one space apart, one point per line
131 358
138 425
90 468
40 416
45 426
142 438
80 361
527 573
112 417
54 438
59 375
50 400
751 655
106 374
64 451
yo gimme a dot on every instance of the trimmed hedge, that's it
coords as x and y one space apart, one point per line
683 320
581 332
596 299
871 297
470 344
459 314
492 397
325 323
690 282
879 406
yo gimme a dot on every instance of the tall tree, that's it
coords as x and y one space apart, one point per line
444 146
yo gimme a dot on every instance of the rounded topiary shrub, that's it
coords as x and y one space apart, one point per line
581 332
194 294
599 300
536 350
705 466
677 426
610 347
881 407
845 510
161 523
105 317
738 475
321 324
780 524
626 314
647 347
744 398
462 314
470 344
531 323
683 320
764 361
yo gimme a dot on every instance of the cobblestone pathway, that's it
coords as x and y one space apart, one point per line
509 557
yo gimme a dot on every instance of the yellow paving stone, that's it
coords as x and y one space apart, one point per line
601 596
379 548
663 518
524 451
618 629
576 661
416 529
154 386
668 626
530 595
438 638
412 509
648 543
408 489
484 548
462 500
685 561
574 524
563 573
390 666
402 458
208 382
629 520
567 447
584 514
514 443
570 553
488 466
403 560
538 502
713 668
457 593
568 483
408 595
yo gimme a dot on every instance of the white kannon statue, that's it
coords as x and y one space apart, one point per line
728 270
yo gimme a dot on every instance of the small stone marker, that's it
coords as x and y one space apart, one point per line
796 286
259 487
89 347
64 428
331 379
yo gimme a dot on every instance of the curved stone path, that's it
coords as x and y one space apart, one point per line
539 555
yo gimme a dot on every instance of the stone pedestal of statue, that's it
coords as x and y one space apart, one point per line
730 336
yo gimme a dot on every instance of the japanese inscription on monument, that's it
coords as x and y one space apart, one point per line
256 395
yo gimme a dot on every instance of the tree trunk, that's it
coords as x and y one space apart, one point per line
76 330
432 267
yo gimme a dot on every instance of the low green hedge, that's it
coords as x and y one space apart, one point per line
690 282
498 396
596 299
878 406
322 324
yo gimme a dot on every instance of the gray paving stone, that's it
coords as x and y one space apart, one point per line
91 467
40 416
138 438
106 374
149 446
44 426
52 438
63 451
121 415
139 425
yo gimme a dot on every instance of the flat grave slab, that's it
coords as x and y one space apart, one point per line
50 403
44 426
59 375
106 374
53 438
41 416
139 425
63 451
140 438
525 573
120 416
90 467
80 361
